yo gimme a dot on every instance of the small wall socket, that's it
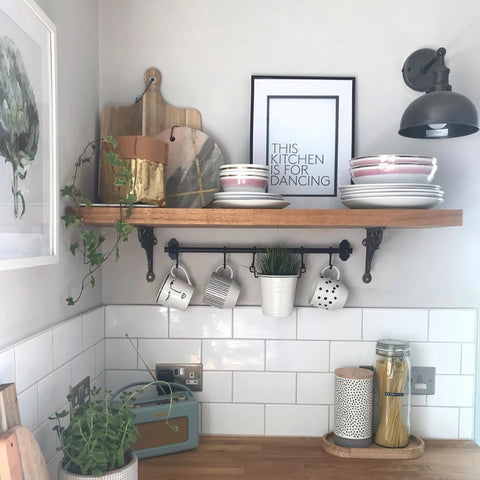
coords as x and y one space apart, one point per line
81 392
423 381
189 374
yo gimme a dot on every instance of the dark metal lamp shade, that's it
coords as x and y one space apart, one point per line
440 113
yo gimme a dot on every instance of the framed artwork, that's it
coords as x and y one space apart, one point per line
28 137
303 129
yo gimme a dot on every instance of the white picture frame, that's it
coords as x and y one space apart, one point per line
303 129
28 147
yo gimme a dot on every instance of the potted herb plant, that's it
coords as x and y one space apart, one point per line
97 443
89 244
278 270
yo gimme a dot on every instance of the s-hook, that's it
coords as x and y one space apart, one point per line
147 239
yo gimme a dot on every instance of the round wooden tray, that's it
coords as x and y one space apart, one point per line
414 449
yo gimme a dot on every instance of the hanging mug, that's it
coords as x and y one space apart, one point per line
222 291
175 292
328 292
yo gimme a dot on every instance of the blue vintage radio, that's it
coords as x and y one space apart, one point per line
167 422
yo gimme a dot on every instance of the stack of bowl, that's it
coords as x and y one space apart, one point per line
244 177
392 181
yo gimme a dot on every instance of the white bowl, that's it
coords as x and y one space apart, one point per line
243 184
394 173
244 166
366 161
252 173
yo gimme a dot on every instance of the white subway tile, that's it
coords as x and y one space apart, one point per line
120 354
231 419
297 356
318 324
217 387
146 321
418 400
315 388
93 327
100 364
401 324
47 439
52 465
452 325
53 391
249 322
233 354
434 422
116 379
67 341
296 420
83 366
453 391
468 359
263 387
28 405
466 430
7 366
33 360
445 357
169 351
351 354
201 322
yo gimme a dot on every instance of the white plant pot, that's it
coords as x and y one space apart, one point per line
278 294
128 472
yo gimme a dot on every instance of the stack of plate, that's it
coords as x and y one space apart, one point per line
391 195
248 200
393 169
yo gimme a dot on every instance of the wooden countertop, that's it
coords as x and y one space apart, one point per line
291 458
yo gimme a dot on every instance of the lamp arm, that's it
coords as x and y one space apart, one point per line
440 53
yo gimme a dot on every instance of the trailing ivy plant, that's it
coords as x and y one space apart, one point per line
89 244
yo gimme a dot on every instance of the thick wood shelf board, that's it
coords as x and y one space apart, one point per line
272 218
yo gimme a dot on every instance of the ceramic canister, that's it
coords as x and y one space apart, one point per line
353 407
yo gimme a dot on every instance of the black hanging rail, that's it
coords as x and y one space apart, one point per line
173 249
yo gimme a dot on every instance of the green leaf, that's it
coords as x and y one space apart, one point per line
113 159
73 248
69 219
111 140
92 281
70 301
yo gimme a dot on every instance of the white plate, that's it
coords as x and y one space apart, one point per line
393 158
250 203
403 191
386 194
393 202
393 186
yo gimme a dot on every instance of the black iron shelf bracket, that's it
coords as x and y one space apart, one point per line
147 239
372 244
343 250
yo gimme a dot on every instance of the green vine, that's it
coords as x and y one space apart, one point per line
89 243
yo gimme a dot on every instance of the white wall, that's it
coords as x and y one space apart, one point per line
207 51
34 298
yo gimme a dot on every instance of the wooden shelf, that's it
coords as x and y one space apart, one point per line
268 218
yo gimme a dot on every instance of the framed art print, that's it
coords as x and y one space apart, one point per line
303 129
28 136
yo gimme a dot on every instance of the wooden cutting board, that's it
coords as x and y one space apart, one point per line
9 412
21 457
150 116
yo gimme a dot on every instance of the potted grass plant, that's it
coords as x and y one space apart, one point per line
278 269
97 443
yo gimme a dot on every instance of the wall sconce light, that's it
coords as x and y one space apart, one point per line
440 113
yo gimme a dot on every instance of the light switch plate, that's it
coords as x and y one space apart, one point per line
423 381
189 374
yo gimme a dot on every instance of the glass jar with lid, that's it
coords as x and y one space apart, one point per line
392 388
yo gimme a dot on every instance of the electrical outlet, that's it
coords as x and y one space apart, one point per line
81 392
423 381
189 374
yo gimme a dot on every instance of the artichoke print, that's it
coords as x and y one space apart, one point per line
19 124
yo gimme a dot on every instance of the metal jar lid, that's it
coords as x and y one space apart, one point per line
393 348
